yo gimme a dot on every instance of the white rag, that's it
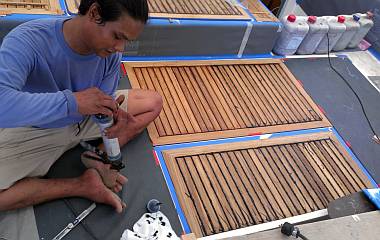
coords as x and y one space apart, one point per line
151 226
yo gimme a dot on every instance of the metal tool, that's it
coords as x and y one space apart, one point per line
73 224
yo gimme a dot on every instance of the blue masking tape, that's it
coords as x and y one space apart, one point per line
196 22
63 6
206 22
354 157
172 191
28 17
375 53
373 195
219 57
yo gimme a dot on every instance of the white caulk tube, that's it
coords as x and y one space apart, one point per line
111 145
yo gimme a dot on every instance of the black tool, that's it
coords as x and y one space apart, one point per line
101 156
290 230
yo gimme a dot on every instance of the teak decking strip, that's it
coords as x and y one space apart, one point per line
260 13
31 6
210 9
229 186
215 99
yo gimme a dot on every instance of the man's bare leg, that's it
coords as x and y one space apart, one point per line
31 191
143 106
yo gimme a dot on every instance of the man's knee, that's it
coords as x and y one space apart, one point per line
153 102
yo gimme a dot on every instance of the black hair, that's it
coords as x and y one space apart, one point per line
111 10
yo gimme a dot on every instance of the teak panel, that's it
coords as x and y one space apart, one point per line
223 187
206 100
209 9
260 13
31 7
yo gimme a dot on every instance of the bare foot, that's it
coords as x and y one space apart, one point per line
111 178
98 192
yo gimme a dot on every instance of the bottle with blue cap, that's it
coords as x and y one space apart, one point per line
366 23
352 27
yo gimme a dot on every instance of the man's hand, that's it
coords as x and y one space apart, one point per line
94 101
121 121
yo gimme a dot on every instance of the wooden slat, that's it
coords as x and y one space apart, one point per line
31 6
239 184
206 100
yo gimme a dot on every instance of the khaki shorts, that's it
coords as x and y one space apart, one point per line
30 152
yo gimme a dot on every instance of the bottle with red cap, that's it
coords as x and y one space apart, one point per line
336 30
366 23
294 29
317 31
352 27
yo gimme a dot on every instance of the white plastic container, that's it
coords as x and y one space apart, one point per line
352 27
318 29
366 23
111 144
293 32
336 30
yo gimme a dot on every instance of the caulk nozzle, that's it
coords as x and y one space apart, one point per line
153 206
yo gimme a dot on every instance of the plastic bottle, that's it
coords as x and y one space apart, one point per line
366 23
293 32
111 145
352 27
318 29
336 29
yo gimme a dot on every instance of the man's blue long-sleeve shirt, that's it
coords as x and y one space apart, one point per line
39 73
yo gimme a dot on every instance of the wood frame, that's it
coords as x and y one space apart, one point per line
157 140
53 7
341 165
